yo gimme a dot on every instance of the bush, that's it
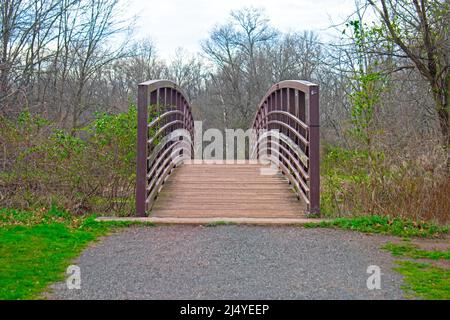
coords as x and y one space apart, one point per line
91 170
356 182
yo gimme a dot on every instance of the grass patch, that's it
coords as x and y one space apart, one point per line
411 251
36 247
383 225
219 223
424 280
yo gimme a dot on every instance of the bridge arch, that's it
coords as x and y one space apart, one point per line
289 108
157 155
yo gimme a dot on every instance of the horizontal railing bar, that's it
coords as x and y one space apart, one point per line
158 148
150 141
286 171
157 160
160 180
299 152
305 142
164 141
162 116
290 115
158 173
300 180
297 164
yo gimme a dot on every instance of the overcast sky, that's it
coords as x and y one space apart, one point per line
184 23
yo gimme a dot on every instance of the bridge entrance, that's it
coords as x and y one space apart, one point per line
226 191
281 180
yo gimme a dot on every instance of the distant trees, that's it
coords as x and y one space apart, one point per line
249 56
189 72
94 25
27 29
419 31
52 50
65 59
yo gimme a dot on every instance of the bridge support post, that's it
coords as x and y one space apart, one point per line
142 141
314 148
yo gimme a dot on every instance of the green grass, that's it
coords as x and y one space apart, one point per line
36 248
411 251
424 280
219 223
383 225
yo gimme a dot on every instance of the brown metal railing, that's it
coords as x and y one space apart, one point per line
286 129
160 148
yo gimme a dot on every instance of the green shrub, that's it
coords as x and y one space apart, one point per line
360 182
92 169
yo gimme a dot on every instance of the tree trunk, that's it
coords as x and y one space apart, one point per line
442 108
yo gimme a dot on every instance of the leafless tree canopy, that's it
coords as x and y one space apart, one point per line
64 58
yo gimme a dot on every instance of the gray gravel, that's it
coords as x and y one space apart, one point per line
232 262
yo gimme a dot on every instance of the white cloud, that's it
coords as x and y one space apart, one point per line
184 23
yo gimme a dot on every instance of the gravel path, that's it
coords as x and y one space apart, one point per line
232 262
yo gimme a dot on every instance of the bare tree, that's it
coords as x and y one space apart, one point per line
189 72
236 49
26 30
51 54
419 29
98 25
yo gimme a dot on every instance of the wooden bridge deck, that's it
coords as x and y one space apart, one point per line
228 191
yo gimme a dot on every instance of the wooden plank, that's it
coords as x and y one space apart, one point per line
218 190
273 206
251 198
227 213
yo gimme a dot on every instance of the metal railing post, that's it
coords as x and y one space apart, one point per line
142 141
314 140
